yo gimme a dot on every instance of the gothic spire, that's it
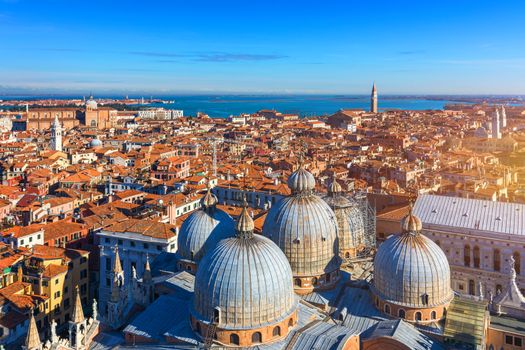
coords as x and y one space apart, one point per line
33 338
78 313
146 277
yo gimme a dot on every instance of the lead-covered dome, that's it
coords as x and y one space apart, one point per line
350 220
305 228
203 229
301 180
411 270
245 283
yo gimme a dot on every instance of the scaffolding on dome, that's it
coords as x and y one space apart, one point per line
361 265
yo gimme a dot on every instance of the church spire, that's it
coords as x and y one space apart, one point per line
33 338
146 276
117 278
78 313
373 99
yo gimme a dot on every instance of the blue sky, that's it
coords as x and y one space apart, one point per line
407 47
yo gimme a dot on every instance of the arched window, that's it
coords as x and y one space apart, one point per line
466 255
517 262
387 309
433 315
234 339
497 260
93 123
297 282
418 316
276 331
290 323
476 257
401 313
471 287
314 281
216 315
257 337
347 255
424 299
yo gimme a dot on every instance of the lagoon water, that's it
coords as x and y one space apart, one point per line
224 106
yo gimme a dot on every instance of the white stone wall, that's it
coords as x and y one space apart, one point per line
453 242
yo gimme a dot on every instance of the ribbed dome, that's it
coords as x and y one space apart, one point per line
249 280
301 181
409 266
350 221
202 230
411 223
209 199
334 187
245 223
305 229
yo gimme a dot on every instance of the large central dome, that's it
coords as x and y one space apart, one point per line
305 228
245 287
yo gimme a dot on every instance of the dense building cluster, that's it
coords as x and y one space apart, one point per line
357 230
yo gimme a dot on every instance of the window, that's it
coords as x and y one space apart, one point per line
83 274
146 246
401 313
471 287
119 242
297 282
497 260
131 243
66 303
30 239
83 289
276 331
257 337
517 341
387 309
108 264
433 315
476 257
56 281
234 339
21 242
418 316
290 323
57 294
466 256
159 248
499 289
108 282
106 240
509 340
83 260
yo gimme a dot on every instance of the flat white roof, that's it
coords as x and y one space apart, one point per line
471 214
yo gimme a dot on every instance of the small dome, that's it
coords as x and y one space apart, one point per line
411 270
334 187
91 103
301 181
201 232
247 281
95 143
209 200
245 223
411 223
